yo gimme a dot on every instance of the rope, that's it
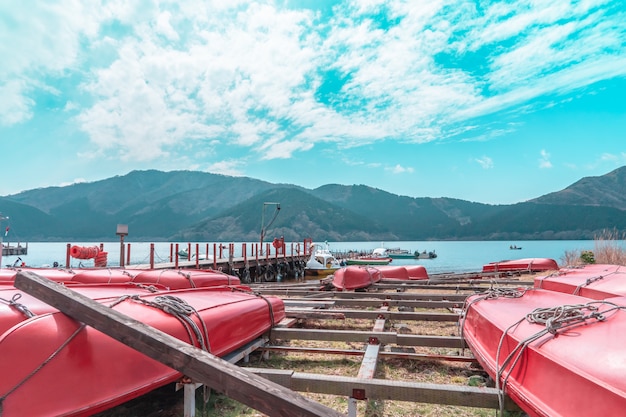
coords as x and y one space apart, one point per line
18 306
188 276
38 368
269 304
555 320
180 309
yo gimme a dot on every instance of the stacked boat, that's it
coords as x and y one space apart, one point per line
556 349
55 366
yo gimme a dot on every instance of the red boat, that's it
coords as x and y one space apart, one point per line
355 277
526 264
554 354
597 281
18 306
170 278
403 272
416 271
53 366
393 272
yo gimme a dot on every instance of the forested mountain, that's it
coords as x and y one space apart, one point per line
197 206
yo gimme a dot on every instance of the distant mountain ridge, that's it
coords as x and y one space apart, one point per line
198 206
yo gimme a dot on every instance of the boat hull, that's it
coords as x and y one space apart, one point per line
356 277
368 261
91 372
596 281
526 264
576 372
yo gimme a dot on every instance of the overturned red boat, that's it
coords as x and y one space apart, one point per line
597 281
403 272
554 354
526 264
169 278
55 366
355 277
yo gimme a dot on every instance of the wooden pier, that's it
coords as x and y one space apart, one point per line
252 263
11 250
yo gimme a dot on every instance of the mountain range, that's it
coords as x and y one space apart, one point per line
192 206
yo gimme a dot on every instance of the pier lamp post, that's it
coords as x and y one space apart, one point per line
122 230
263 227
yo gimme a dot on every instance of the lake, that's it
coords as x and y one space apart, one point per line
457 256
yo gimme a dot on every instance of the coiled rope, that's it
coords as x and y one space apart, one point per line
555 320
180 309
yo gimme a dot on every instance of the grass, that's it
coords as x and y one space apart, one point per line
608 249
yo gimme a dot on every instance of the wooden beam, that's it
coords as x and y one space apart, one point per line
364 336
367 295
360 302
384 354
374 314
220 375
458 395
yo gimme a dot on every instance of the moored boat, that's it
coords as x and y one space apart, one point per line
87 372
597 281
554 354
377 257
322 262
525 264
355 277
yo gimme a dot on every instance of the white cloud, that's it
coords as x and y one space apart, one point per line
231 167
399 169
246 78
544 161
485 162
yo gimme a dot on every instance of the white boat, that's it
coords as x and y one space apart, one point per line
322 262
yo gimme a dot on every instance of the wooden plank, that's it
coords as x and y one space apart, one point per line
374 314
361 336
361 302
356 352
466 396
364 295
220 375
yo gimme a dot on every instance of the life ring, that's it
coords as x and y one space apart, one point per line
84 252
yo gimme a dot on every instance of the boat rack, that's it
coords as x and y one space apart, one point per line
389 305
391 308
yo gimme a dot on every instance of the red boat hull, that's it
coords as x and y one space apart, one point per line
526 264
356 277
597 281
579 371
169 278
94 372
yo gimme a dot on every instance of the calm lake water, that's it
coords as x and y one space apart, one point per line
464 256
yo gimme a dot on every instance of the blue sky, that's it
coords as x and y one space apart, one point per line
494 102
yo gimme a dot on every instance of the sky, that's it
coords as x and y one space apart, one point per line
494 102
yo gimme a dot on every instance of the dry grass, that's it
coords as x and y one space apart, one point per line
413 370
608 249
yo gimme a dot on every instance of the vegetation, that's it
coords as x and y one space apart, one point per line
187 205
608 249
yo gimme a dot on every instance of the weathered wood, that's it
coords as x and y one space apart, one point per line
364 295
371 314
385 354
466 396
360 302
220 375
364 336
